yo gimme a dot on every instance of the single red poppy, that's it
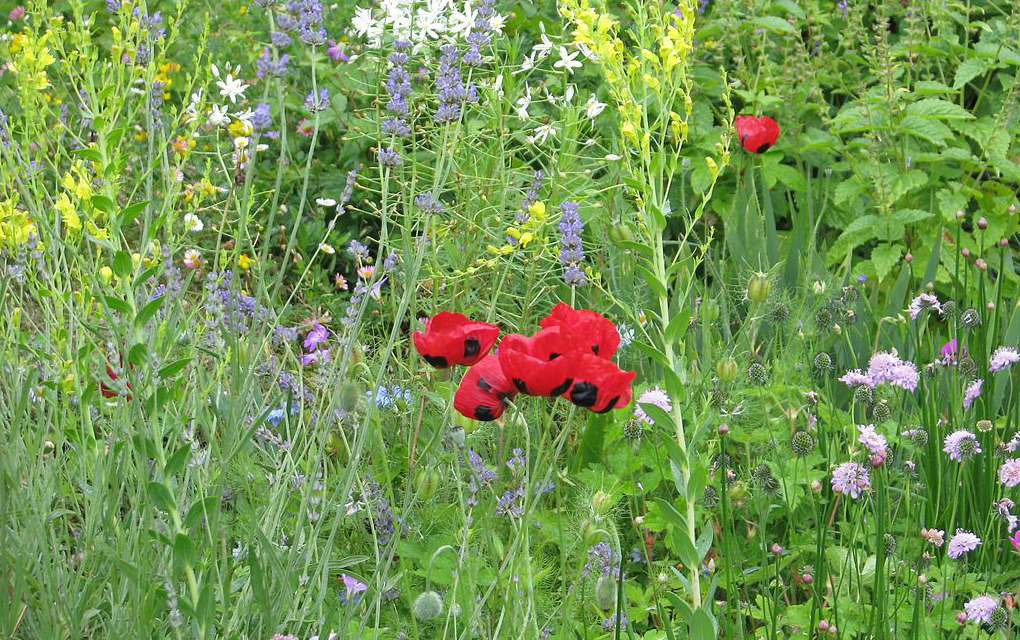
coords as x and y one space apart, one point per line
107 391
599 385
585 328
757 135
541 365
452 338
484 393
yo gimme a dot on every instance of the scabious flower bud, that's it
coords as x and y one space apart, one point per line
961 618
427 606
982 223
823 362
724 429
965 252
1003 242
823 625
802 443
816 486
777 548
981 264
990 306
909 258
959 215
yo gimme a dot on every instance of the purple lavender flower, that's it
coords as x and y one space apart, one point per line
961 445
610 623
571 250
348 192
972 393
261 119
265 65
382 514
962 543
1003 358
428 203
390 158
530 197
450 88
280 40
603 561
395 127
314 103
850 479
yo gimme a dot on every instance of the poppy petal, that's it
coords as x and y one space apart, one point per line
541 365
484 392
584 327
452 338
599 385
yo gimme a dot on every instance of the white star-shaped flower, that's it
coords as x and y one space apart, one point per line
542 133
219 115
232 88
593 107
567 61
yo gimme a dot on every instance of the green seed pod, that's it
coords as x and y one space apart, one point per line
427 606
823 362
726 369
757 373
605 593
426 482
758 288
802 443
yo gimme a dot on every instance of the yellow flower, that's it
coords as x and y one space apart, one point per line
537 209
239 129
245 262
105 274
67 213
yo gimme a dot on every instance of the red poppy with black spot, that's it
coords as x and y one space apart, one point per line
599 385
452 338
757 135
541 365
484 393
585 329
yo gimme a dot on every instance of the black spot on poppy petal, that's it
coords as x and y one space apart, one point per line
558 391
763 148
584 394
438 362
612 403
595 349
484 413
523 388
472 347
483 385
553 356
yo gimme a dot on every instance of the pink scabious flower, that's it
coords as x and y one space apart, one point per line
972 393
856 378
980 609
17 13
962 543
923 302
655 396
874 441
935 537
1003 358
885 366
1009 473
961 445
1004 508
850 479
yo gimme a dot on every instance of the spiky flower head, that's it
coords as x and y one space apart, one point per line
802 443
823 362
757 373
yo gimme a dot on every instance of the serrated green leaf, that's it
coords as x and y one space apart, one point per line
938 108
884 257
969 70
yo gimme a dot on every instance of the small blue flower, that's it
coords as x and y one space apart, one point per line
276 416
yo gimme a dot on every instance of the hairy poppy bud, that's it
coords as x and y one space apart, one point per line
726 369
427 606
605 593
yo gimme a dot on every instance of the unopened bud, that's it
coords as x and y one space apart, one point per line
981 264
724 429
982 223
909 258
758 288
727 369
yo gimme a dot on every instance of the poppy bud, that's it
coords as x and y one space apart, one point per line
427 606
605 593
758 288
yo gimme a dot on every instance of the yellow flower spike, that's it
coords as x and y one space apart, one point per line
537 209
245 261
513 232
526 238
492 249
67 213
652 82
649 56
105 274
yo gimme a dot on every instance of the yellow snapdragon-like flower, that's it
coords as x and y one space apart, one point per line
245 261
15 225
70 217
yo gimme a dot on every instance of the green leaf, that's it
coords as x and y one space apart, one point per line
658 286
928 129
884 257
590 448
173 368
89 154
185 554
177 460
910 216
117 304
160 495
104 204
774 24
122 265
137 354
199 510
969 70
702 626
131 212
938 108
145 313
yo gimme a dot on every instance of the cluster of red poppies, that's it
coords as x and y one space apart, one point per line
571 356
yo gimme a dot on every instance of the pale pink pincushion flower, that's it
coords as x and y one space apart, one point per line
1009 473
962 543
850 479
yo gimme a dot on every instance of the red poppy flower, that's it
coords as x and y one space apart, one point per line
484 392
107 391
757 135
585 328
451 338
599 385
541 365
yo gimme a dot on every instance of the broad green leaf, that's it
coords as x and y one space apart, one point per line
969 70
938 108
774 24
884 257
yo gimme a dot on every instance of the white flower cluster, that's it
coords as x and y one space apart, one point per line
422 23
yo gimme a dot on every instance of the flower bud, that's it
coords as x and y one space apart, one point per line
777 548
426 482
965 252
726 369
105 274
724 429
1003 242
758 288
909 257
605 593
427 606
984 426
981 264
602 503
959 215
823 625
982 223
961 618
